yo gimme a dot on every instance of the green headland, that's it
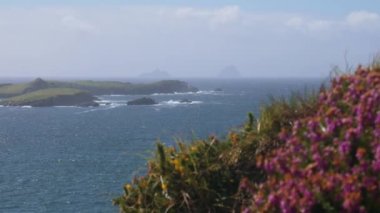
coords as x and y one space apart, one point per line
40 92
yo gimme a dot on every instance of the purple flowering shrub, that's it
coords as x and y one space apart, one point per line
329 161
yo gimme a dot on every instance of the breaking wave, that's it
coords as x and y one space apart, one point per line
176 102
201 92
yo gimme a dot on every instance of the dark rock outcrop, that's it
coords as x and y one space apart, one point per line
142 101
35 85
185 101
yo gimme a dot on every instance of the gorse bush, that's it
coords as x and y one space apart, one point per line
204 176
185 179
309 153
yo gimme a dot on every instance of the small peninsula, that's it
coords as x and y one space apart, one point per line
52 97
41 93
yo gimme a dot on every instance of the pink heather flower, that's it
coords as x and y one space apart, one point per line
376 165
244 184
359 130
269 166
314 137
247 210
377 152
370 183
259 201
344 147
331 126
376 132
296 126
312 124
301 170
360 153
285 208
272 199
377 120
318 159
283 135
347 121
350 134
362 210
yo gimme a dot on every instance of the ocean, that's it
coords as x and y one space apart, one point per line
72 159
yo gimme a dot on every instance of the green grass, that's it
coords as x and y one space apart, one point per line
102 84
44 94
95 87
13 89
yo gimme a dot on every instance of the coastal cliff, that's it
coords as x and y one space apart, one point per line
40 92
52 97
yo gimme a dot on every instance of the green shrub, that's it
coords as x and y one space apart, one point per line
204 175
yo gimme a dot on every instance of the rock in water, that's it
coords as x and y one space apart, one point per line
185 101
142 101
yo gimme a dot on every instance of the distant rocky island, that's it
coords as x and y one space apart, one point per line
156 74
230 71
41 93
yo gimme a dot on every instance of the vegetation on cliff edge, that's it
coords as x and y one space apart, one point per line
306 154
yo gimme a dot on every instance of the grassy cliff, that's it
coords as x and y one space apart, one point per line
319 153
80 93
98 87
52 97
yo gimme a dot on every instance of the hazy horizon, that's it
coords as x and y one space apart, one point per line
124 39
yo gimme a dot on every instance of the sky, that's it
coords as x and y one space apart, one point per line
119 38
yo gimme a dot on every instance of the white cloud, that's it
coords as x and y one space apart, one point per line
319 25
220 16
122 41
295 22
226 15
74 23
358 18
189 12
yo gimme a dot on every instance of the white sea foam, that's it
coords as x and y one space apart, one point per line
177 102
112 103
208 92
66 106
115 95
201 92
115 104
105 105
26 106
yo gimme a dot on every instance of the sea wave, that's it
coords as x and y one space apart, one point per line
112 103
117 95
201 92
66 106
177 102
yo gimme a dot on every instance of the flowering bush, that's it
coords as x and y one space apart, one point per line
305 154
329 161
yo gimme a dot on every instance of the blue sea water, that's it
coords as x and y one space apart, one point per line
70 159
